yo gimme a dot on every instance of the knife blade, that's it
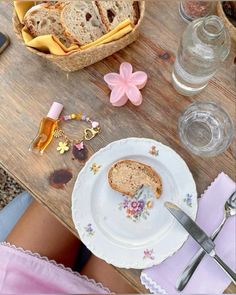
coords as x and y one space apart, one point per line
199 236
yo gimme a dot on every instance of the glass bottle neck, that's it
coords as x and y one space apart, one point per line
213 27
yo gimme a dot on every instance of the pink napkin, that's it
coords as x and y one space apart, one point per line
208 277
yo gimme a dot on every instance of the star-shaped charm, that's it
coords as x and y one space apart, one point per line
58 133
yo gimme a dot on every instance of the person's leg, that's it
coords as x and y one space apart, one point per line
40 232
100 271
10 214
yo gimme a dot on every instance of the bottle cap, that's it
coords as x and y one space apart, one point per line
55 111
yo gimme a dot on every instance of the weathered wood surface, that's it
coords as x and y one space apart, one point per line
29 84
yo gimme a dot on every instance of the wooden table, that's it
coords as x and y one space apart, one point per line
29 84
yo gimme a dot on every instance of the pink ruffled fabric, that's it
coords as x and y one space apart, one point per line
23 272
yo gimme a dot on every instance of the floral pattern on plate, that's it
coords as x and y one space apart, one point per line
188 200
154 151
138 207
89 230
95 168
148 254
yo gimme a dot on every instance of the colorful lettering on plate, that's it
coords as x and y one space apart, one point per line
89 230
138 207
188 200
148 254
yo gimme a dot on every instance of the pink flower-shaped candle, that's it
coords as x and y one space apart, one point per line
126 85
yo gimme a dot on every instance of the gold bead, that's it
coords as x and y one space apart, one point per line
79 116
73 116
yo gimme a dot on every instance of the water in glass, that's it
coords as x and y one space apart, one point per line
204 46
205 129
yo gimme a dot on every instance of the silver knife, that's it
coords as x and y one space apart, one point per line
199 236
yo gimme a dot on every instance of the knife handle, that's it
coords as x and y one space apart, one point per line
183 280
225 267
189 270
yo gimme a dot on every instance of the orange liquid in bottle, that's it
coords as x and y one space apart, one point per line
45 135
46 129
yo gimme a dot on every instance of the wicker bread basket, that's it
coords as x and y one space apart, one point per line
81 59
228 24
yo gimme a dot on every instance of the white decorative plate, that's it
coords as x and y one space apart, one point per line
126 232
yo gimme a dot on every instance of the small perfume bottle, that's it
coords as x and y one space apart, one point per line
46 129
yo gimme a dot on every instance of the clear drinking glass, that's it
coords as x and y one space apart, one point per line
205 129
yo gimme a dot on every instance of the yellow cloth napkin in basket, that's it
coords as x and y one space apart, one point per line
21 7
51 44
118 32
47 43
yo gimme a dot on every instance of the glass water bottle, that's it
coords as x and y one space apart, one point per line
204 45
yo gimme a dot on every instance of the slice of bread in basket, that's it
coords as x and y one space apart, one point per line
45 19
82 22
128 176
84 58
114 12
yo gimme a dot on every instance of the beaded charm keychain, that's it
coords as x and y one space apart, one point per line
79 149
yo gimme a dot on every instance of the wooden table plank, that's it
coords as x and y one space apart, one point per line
29 84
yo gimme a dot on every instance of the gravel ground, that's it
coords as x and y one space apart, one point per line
9 188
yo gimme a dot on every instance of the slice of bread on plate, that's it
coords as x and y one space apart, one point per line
114 12
45 19
128 176
82 22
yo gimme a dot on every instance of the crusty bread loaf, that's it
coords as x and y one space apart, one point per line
114 12
45 19
82 22
128 176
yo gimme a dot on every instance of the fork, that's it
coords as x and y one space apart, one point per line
229 210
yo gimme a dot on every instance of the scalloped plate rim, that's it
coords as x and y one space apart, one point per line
89 244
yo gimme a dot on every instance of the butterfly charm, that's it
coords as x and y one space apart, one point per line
80 146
